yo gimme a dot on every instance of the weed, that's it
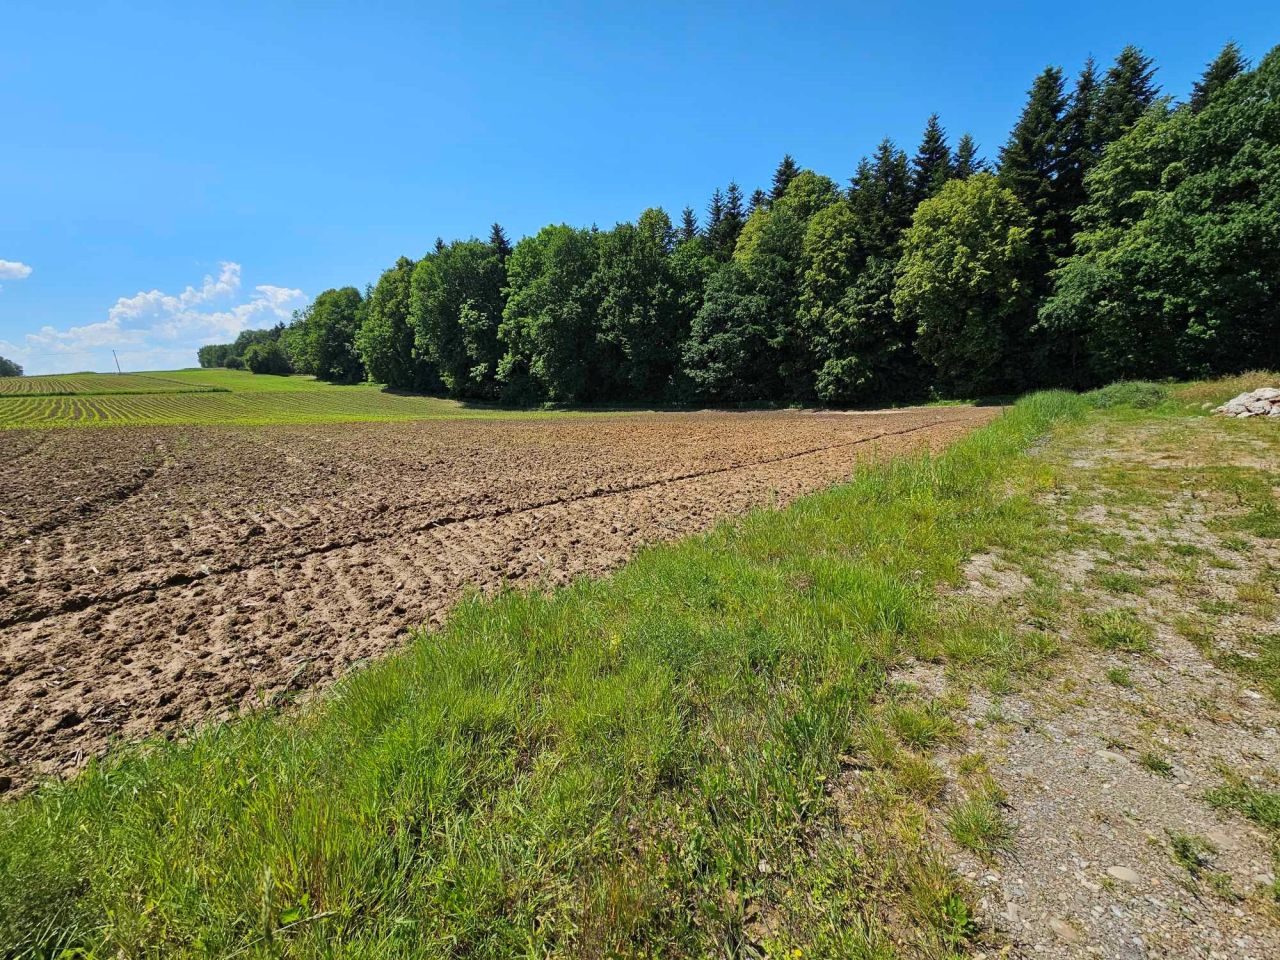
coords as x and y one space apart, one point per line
1117 581
1118 629
1120 677
978 824
1194 854
1156 763
920 726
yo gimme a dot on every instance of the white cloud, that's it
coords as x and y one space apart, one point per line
14 270
153 329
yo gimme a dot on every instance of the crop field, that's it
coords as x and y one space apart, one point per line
194 397
93 384
153 577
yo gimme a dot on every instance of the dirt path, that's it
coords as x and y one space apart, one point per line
152 578
1138 777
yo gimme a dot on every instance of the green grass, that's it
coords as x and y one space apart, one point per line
641 765
978 824
1118 629
212 397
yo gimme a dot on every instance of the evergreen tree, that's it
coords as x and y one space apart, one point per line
715 214
759 200
1030 159
782 177
723 232
688 224
882 198
1226 66
1175 268
931 166
1126 93
439 247
1081 146
967 161
499 242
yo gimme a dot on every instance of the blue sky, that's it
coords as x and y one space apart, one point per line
173 173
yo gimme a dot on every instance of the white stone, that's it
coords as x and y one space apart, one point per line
1124 874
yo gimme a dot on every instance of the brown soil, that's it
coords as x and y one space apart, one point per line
152 578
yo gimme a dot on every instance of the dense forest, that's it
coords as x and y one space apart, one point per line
1119 234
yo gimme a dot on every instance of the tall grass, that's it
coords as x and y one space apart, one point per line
627 766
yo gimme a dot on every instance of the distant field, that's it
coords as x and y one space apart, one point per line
85 384
207 397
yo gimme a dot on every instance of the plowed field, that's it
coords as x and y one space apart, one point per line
151 578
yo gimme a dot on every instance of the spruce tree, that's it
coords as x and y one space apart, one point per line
688 224
882 198
1029 165
967 161
782 177
499 241
715 213
931 166
1029 161
1226 66
1126 93
724 234
1081 146
759 199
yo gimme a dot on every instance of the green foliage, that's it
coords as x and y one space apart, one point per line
1180 240
456 305
643 315
550 323
1226 66
268 357
931 167
1145 249
321 339
9 369
967 161
386 339
960 283
728 357
1137 394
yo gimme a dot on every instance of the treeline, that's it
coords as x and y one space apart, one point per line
9 369
262 351
1120 234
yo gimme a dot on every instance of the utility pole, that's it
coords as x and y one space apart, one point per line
117 360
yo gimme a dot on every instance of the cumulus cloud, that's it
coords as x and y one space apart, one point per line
157 328
13 270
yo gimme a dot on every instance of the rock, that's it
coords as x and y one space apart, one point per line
1263 402
1064 930
1123 874
1222 840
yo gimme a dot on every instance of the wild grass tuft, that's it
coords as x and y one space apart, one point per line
977 822
1118 629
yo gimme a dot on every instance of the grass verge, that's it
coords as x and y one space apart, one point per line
660 763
